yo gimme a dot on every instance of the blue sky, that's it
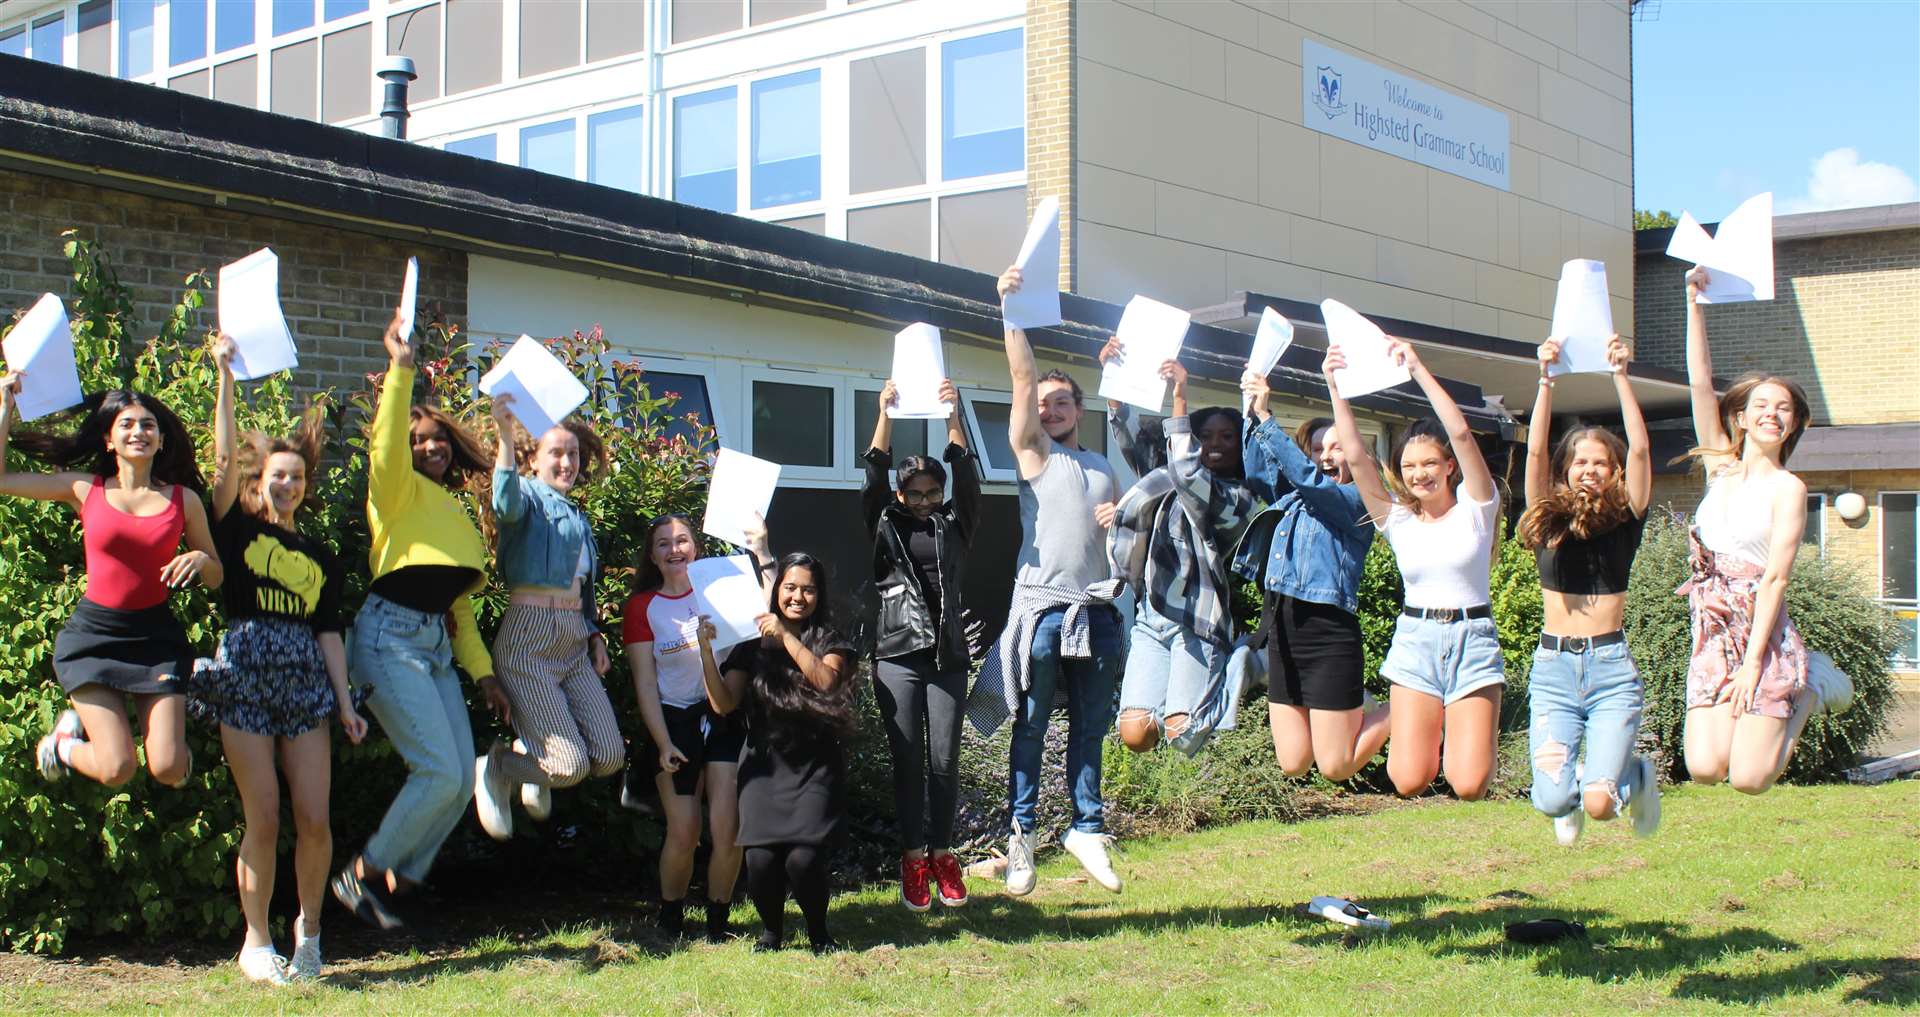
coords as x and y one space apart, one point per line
1731 99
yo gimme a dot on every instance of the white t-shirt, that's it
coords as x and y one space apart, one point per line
1445 562
672 625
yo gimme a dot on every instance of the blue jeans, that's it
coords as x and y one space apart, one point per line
1595 698
1172 671
406 656
1090 709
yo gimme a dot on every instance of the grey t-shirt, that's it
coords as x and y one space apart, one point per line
1061 545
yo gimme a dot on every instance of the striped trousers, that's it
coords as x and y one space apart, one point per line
560 708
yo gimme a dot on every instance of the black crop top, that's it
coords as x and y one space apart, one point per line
1593 567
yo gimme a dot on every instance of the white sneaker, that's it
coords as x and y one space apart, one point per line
47 754
1091 851
1020 874
1645 805
1346 912
305 962
1566 829
261 964
490 791
537 799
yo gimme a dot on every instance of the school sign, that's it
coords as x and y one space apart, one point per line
1364 103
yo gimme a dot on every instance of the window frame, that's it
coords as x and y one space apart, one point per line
671 157
1898 605
550 128
707 370
989 472
1816 523
836 472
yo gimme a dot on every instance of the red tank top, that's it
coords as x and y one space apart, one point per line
126 552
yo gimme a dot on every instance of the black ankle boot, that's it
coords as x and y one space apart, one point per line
769 940
717 931
673 917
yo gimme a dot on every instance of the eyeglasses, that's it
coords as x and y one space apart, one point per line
912 496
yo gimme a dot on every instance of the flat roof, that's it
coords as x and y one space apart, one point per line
59 121
1836 222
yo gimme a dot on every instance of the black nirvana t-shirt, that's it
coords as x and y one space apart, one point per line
276 573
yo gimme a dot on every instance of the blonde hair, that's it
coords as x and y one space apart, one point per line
1569 511
309 439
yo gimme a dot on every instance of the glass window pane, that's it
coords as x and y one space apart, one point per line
196 83
49 40
136 37
549 35
186 30
693 400
889 121
293 89
793 424
232 25
697 19
1899 565
616 148
764 11
346 74
977 230
903 227
704 150
292 15
14 43
93 36
480 146
992 415
786 139
814 224
332 9
615 28
1093 431
416 34
1814 534
548 148
238 82
473 32
983 105
909 436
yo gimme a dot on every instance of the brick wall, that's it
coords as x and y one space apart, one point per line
1843 323
337 287
1050 117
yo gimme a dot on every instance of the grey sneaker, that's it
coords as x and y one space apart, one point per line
47 753
305 962
1645 805
1020 874
1090 849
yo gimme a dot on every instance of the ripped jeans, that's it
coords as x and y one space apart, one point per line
1593 698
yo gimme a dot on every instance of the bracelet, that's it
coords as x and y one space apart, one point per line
1546 382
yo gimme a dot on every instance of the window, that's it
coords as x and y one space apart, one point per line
333 9
292 15
295 73
416 34
1814 537
196 83
977 230
93 36
793 423
136 38
14 43
616 148
694 399
903 227
814 224
786 139
480 146
473 43
549 35
1900 571
346 74
186 30
909 436
988 413
697 19
238 81
548 148
888 124
615 28
49 40
983 105
232 26
705 151
764 11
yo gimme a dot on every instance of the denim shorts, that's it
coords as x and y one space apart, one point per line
1445 660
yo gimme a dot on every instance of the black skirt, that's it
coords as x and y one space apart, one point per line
792 794
142 652
1314 656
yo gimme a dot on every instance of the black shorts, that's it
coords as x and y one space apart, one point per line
719 740
1314 657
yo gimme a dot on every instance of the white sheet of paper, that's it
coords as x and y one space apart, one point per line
543 390
742 487
1272 339
42 346
1582 318
919 366
1036 304
1369 369
1738 257
409 296
1150 334
249 311
726 590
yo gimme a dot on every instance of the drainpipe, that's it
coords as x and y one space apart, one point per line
396 71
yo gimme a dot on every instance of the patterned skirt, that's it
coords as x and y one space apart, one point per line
269 678
1722 592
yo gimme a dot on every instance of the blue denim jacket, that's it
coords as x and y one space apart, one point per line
540 534
1312 539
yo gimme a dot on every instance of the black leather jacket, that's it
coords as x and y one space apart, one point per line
904 625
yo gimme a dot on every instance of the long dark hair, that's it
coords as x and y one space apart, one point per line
796 708
649 576
468 456
85 450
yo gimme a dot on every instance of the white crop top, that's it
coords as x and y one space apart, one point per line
1445 562
1735 520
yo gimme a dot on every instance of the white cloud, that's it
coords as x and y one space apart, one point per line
1841 180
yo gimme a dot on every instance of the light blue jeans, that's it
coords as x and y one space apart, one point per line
1172 671
1090 690
407 658
1595 699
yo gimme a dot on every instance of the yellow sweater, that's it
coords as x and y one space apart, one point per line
414 521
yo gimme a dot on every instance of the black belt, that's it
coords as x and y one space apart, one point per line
1448 614
1580 644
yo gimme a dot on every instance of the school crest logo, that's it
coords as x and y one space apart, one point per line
1327 93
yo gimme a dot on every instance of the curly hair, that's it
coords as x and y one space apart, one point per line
85 449
797 708
1569 511
308 440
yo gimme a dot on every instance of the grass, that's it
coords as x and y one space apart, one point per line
1805 900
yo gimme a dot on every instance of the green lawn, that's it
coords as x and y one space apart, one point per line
1805 900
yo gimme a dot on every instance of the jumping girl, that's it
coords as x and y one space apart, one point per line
1747 692
921 659
549 654
1306 551
1586 510
1171 536
138 495
428 561
281 673
1445 662
795 685
697 750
